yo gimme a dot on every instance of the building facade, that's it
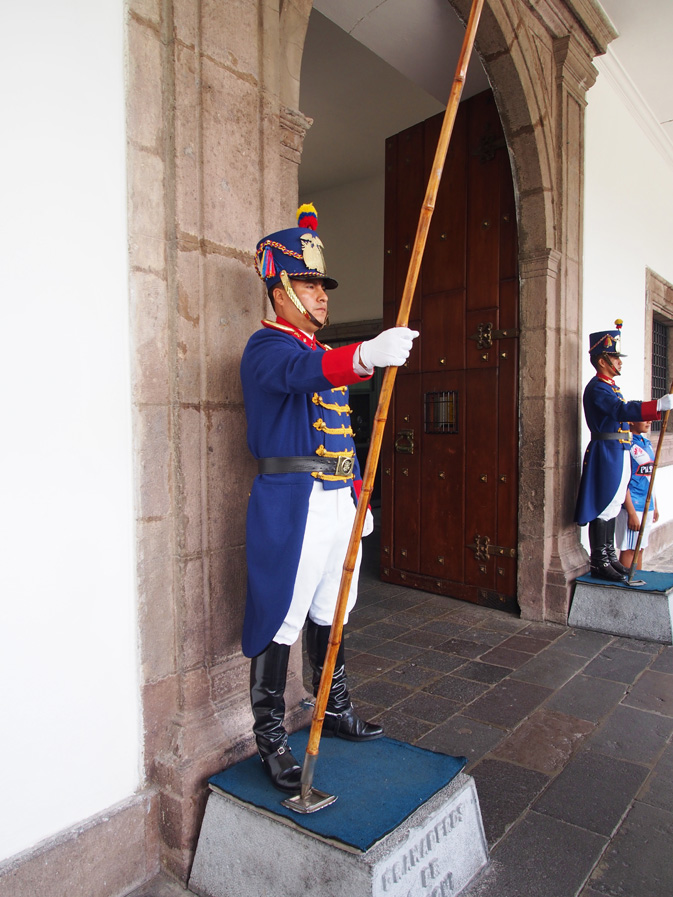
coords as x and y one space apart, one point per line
136 690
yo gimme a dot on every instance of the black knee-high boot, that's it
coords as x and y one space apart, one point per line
610 548
268 674
341 720
600 561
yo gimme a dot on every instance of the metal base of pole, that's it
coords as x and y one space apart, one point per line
309 803
309 799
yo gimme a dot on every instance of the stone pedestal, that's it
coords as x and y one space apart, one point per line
250 852
644 612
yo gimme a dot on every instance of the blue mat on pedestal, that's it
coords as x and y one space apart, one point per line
378 783
653 581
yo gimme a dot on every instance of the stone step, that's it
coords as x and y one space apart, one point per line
406 823
436 852
641 612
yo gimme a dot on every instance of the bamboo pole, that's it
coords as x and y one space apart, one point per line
381 415
660 443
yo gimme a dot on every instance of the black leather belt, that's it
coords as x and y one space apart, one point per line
341 466
623 436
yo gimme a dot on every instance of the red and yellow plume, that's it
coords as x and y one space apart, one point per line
307 216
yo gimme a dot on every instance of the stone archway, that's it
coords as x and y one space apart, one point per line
538 57
214 143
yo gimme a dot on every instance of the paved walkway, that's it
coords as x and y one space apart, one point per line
568 734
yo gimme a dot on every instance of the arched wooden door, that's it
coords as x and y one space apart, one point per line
450 456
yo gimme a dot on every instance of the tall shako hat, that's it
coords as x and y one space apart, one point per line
298 251
607 342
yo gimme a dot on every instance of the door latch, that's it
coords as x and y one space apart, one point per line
486 334
404 442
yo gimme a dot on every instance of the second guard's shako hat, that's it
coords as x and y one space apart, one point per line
295 251
608 342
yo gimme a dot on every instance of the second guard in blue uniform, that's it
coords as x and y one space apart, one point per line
607 468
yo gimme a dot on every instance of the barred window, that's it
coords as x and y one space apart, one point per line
441 412
660 374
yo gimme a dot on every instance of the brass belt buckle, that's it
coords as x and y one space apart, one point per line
344 466
628 437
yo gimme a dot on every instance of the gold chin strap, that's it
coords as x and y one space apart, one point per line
296 301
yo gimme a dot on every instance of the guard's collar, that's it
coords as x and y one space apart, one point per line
281 324
606 379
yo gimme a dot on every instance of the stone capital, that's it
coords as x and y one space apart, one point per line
574 68
541 264
583 17
293 128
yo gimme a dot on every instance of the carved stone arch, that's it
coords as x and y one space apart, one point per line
294 16
538 57
520 70
282 82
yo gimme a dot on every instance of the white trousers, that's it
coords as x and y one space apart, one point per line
328 529
613 508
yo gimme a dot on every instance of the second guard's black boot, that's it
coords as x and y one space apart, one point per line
600 562
341 720
268 674
610 547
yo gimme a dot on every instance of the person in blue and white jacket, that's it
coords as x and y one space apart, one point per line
630 516
302 504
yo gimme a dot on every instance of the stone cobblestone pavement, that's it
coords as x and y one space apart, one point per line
568 735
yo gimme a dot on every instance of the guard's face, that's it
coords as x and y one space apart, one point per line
610 365
616 363
313 297
311 293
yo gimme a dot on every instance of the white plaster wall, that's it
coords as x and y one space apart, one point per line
350 224
628 226
69 703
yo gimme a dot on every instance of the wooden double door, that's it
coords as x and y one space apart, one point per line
449 463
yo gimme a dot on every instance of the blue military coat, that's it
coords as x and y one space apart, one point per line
296 403
605 409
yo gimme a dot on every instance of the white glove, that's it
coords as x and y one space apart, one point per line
389 348
665 403
368 526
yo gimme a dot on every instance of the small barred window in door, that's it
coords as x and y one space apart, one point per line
441 412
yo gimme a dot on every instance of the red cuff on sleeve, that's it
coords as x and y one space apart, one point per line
337 366
648 410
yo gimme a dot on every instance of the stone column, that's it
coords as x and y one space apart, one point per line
213 157
575 74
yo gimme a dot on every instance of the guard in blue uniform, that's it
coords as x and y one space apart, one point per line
607 467
302 504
